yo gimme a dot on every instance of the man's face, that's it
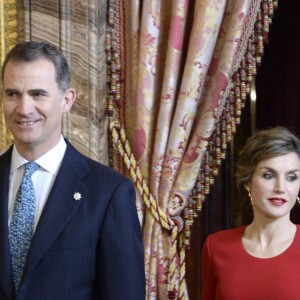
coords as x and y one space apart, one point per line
33 105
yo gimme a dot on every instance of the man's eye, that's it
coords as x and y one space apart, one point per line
11 94
38 94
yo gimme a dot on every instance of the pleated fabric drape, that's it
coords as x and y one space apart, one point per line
160 89
180 72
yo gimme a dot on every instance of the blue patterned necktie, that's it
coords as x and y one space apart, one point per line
22 223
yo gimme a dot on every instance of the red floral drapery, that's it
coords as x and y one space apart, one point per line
179 74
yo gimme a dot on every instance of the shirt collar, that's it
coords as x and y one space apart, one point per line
50 161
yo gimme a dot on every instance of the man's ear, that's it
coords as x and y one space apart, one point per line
69 98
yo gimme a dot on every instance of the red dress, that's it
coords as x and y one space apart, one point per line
230 273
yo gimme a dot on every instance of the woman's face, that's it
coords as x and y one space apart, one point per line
275 185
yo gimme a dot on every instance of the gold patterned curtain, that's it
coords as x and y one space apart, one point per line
180 72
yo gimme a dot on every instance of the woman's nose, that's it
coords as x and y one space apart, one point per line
279 186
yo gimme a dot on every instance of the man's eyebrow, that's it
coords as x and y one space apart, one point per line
38 91
11 91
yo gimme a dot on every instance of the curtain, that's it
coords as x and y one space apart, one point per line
179 73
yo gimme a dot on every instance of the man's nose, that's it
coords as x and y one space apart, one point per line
25 105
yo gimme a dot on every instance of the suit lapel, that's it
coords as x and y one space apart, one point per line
5 271
60 205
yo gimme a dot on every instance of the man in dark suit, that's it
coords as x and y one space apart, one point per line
87 241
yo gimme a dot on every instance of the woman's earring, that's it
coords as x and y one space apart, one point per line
298 199
250 196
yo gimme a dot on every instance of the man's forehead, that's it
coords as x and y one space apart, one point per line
22 69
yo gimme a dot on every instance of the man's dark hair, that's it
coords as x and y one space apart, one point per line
32 51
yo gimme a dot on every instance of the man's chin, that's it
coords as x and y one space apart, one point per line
25 140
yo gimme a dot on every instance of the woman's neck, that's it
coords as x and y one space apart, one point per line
268 239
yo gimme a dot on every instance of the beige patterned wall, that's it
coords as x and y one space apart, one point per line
78 28
8 38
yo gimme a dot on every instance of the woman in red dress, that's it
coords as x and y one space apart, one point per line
260 260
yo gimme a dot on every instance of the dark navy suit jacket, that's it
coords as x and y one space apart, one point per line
86 249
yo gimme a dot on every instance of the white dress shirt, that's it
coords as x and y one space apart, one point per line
42 179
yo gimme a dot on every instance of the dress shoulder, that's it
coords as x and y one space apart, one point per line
228 233
225 237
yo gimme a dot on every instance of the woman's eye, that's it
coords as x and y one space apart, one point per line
268 175
292 178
